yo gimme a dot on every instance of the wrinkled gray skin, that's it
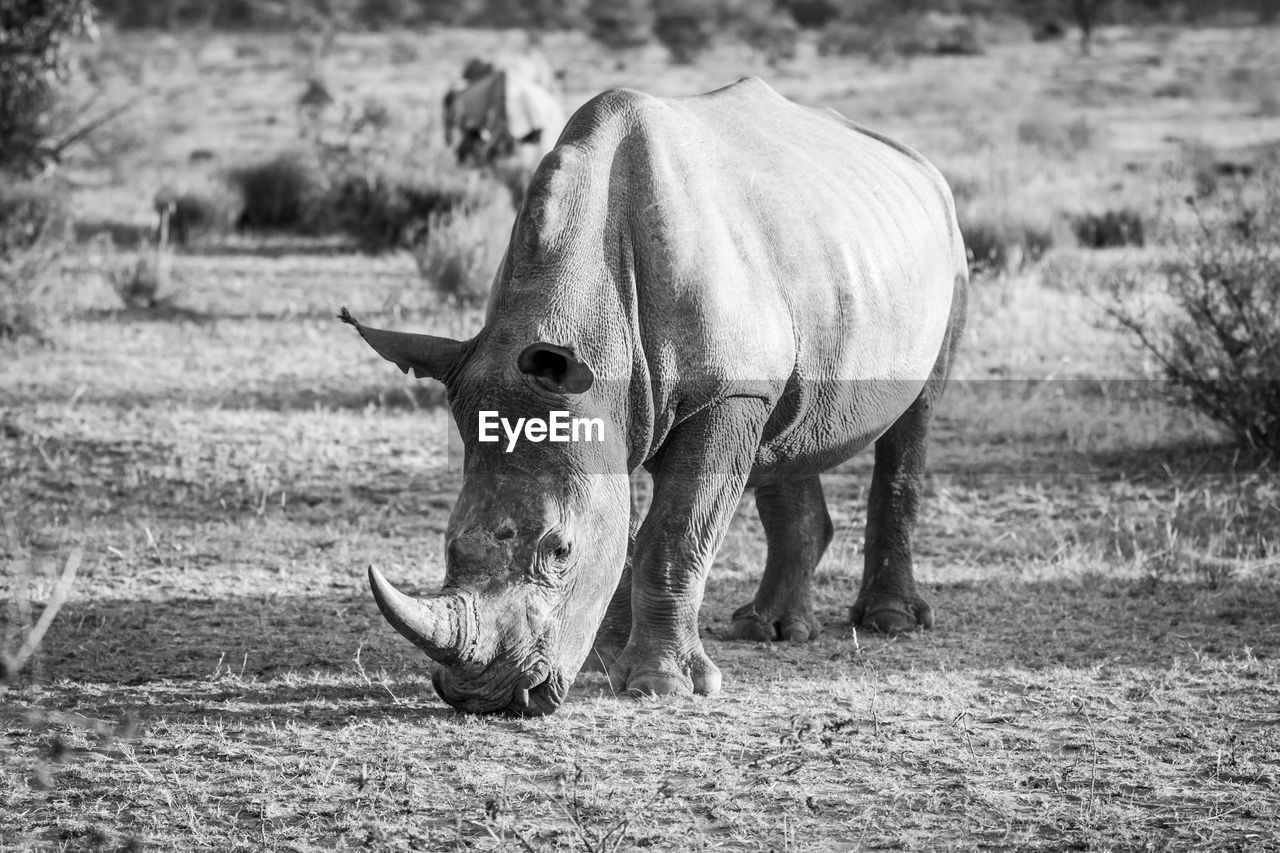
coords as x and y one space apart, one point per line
748 292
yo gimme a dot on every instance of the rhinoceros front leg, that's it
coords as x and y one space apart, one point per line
798 530
888 601
698 480
615 628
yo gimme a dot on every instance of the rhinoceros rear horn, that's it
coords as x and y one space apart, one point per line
556 368
440 626
425 355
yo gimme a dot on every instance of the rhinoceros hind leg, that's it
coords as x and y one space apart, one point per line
888 601
798 530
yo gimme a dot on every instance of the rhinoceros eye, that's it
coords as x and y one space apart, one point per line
554 554
557 547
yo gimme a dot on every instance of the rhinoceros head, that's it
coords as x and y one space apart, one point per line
538 538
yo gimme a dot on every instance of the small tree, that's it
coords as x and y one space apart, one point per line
1218 335
33 67
33 221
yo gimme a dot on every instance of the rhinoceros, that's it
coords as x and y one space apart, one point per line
746 292
507 107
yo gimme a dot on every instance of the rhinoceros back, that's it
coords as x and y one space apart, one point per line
773 249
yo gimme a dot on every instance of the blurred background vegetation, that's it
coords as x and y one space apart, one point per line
1038 156
686 27
648 18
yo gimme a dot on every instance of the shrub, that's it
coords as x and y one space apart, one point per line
620 24
403 51
1174 89
382 14
1201 161
133 14
772 32
1085 272
280 193
34 228
200 210
386 207
315 98
1110 229
1268 105
33 64
685 28
31 212
1054 136
942 35
461 251
964 189
27 302
884 30
197 214
812 14
234 14
375 115
844 38
1218 335
524 14
1048 29
1000 244
140 279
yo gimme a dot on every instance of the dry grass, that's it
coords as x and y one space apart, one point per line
1106 573
1104 657
461 252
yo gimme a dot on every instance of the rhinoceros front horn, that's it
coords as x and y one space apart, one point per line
441 626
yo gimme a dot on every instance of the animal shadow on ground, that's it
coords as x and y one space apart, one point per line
254 657
331 656
161 312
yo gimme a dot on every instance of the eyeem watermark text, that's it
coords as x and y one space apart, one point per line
558 426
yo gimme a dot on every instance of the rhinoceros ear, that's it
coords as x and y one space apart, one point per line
425 355
556 368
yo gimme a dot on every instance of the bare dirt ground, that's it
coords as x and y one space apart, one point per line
1105 570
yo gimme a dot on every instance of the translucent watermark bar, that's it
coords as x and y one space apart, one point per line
1047 427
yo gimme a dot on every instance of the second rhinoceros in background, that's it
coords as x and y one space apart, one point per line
745 292
506 107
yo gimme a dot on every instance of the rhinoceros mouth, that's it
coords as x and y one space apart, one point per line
533 693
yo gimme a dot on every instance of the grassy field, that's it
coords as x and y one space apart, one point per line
1105 569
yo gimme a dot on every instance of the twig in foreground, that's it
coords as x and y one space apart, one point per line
11 664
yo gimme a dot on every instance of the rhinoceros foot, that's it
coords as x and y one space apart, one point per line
796 624
891 616
662 675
